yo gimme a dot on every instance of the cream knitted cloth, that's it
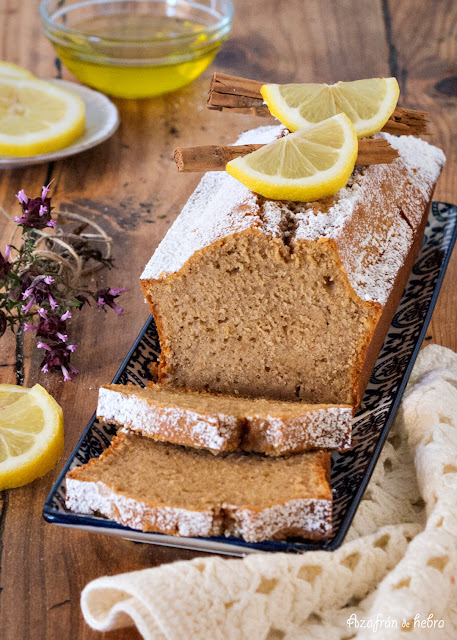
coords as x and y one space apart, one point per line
395 577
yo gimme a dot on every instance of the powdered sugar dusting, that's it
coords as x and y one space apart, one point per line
97 497
323 427
328 428
394 193
220 206
169 424
261 135
421 158
392 198
215 210
310 517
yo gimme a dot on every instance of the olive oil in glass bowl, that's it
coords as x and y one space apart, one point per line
136 48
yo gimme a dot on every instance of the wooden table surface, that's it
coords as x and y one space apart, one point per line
131 187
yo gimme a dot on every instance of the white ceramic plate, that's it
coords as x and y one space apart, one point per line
102 120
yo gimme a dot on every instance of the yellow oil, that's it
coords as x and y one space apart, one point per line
157 65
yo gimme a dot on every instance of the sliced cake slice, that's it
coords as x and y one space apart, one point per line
153 486
225 423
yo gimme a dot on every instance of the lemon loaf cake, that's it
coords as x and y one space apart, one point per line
225 423
170 489
288 300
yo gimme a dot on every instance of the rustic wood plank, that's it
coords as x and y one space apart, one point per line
313 41
428 80
128 185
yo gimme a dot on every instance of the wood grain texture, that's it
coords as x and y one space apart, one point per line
131 186
423 55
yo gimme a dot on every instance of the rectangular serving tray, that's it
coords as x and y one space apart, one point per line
351 471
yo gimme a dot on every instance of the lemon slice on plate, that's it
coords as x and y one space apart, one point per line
303 166
37 117
31 434
367 103
10 70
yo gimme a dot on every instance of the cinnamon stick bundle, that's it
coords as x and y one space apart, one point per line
215 157
241 95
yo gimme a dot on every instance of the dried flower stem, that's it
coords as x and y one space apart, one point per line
59 237
20 372
41 279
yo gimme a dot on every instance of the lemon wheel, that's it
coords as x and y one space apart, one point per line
37 117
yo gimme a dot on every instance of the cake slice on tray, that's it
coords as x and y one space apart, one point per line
225 423
174 490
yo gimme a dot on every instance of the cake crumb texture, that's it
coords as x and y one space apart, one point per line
279 299
170 489
225 423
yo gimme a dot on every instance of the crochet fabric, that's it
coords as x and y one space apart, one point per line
395 576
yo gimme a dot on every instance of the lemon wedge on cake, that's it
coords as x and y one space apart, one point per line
303 166
37 116
367 103
31 434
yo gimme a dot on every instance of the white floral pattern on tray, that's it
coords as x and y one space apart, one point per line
351 471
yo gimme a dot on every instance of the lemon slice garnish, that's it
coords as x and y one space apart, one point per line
31 434
37 117
367 103
303 166
10 70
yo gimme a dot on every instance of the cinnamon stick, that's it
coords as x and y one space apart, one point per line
215 157
241 95
407 122
211 157
375 151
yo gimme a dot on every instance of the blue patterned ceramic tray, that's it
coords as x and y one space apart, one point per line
352 470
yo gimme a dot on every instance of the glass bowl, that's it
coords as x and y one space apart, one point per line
136 48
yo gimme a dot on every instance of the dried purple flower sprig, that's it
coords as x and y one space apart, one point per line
36 212
36 296
105 298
